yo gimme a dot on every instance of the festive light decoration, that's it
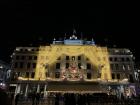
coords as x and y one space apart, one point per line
52 52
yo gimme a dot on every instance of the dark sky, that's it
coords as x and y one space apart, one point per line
27 22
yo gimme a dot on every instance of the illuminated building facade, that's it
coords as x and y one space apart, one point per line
5 72
71 65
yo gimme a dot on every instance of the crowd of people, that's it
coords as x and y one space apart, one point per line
95 98
67 99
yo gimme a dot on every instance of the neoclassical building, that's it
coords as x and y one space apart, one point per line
72 65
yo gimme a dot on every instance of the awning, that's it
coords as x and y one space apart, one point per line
75 87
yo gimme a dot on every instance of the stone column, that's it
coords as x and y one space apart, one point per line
45 90
38 88
18 88
26 90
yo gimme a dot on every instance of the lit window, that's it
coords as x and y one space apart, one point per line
123 67
29 49
128 66
17 49
73 57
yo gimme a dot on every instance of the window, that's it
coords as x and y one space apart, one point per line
28 65
30 57
59 58
21 65
112 66
127 59
21 49
117 66
67 57
118 76
123 67
17 57
32 50
87 59
79 57
35 57
57 75
131 78
79 65
99 59
18 73
122 59
34 65
46 74
104 58
57 65
67 65
41 57
115 59
73 57
33 74
128 67
88 75
88 66
27 75
26 49
113 76
110 59
22 57
16 65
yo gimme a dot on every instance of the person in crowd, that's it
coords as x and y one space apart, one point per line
33 98
17 99
37 96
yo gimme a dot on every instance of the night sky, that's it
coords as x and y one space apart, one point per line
27 23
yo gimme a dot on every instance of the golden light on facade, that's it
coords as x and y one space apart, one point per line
52 52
